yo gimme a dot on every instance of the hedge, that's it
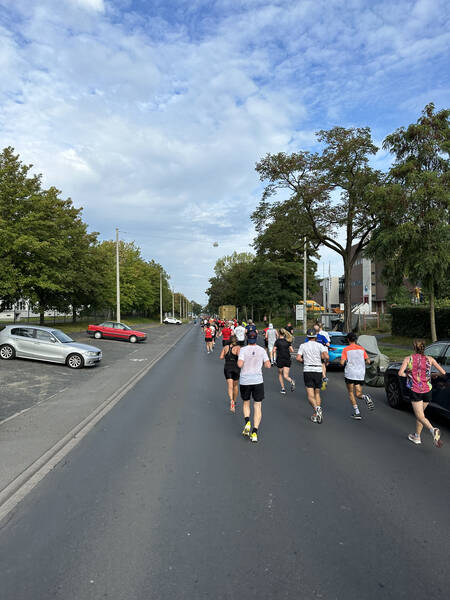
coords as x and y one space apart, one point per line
414 321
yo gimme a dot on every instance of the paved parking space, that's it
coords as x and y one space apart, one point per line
25 383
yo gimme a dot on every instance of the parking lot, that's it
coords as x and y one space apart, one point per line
25 383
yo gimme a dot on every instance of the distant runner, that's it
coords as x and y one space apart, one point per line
355 358
226 334
239 332
208 338
251 360
271 337
312 354
282 351
417 369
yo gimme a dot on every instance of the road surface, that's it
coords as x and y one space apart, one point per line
165 500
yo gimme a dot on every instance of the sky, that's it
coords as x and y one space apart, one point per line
151 114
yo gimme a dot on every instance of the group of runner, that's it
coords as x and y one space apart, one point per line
245 360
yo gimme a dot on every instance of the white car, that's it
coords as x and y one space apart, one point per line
172 321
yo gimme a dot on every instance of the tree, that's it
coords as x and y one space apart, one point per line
311 180
412 238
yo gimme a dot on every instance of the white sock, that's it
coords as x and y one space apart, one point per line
356 409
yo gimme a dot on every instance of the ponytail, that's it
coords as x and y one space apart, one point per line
419 346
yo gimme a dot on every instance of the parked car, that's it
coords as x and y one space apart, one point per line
172 321
398 394
46 343
338 341
117 331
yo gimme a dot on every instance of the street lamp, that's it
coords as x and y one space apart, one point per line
117 277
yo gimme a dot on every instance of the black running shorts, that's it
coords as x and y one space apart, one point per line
208 340
231 374
241 343
312 379
256 390
418 397
283 362
354 381
226 342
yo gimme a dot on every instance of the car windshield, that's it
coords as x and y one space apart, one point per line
339 340
62 337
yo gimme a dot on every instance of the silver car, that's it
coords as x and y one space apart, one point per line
46 343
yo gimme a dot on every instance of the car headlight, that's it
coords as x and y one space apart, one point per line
92 353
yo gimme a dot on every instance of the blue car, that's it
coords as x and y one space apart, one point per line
338 341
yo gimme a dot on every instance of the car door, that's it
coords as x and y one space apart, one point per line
441 384
107 329
24 341
48 347
120 331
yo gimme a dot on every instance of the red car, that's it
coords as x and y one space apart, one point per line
118 331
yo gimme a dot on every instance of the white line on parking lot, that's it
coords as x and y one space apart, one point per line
22 485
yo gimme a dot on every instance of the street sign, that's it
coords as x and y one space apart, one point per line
299 312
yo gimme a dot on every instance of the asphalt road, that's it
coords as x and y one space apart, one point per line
165 500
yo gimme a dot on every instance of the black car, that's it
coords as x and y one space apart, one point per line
398 394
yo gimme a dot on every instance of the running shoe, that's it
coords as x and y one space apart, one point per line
437 438
368 400
254 436
414 438
357 416
319 414
283 391
292 385
246 430
314 418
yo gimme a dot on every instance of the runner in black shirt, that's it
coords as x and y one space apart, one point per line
230 354
282 351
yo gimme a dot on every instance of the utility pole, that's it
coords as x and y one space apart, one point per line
160 298
173 303
304 287
117 277
181 311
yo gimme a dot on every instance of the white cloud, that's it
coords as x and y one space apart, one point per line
154 123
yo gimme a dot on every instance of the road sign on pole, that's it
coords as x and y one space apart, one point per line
299 312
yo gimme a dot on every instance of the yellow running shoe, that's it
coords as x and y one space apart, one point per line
246 430
254 437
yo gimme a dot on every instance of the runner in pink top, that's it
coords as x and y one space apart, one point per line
417 368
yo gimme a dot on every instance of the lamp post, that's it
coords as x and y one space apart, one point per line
304 287
160 299
173 303
117 277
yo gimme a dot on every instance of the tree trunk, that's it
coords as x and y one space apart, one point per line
74 314
347 296
432 314
41 316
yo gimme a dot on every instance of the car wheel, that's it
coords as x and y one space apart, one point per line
7 352
394 393
75 361
98 335
132 339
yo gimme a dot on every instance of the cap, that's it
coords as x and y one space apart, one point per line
311 333
251 337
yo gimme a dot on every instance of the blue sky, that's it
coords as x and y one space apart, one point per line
151 114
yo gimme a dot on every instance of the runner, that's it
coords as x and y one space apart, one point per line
312 354
290 328
417 368
266 343
208 338
231 370
323 338
239 332
271 337
282 351
226 334
213 332
251 360
355 358
250 327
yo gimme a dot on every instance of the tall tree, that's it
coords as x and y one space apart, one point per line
412 238
314 180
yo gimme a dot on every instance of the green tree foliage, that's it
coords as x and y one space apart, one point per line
254 283
314 181
48 256
412 238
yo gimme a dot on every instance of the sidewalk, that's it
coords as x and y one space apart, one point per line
26 440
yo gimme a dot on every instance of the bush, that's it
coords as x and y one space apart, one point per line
414 321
